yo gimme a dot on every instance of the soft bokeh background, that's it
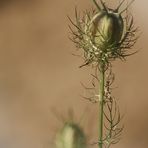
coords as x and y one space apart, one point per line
39 76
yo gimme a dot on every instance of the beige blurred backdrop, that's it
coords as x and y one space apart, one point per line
39 76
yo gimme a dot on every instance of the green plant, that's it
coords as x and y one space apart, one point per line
70 136
104 35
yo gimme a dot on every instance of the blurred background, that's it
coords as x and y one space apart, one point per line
40 78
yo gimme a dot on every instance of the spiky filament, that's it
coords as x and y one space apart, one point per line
127 7
117 9
98 7
104 6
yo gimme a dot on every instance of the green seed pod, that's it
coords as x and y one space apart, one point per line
70 136
107 28
103 34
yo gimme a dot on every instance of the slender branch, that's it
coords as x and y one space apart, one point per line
101 104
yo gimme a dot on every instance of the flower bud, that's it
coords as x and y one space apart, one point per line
107 28
70 136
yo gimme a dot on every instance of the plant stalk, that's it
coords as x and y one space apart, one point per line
101 104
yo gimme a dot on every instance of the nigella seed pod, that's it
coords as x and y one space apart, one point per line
103 34
70 136
107 28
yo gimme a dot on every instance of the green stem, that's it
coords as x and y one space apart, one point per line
101 105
